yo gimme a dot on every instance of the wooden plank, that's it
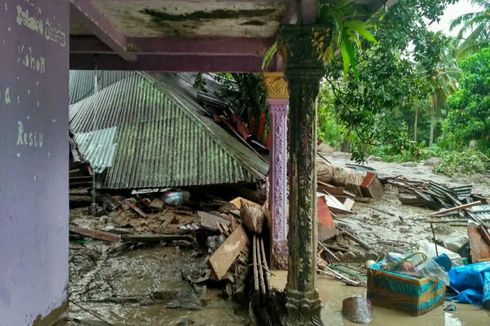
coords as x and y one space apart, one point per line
155 237
349 203
372 187
136 209
156 203
335 205
226 254
479 248
168 221
331 189
211 221
457 208
95 234
326 226
238 204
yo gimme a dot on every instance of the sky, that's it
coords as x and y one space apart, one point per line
453 11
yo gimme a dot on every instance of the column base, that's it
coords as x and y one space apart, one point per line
280 254
304 308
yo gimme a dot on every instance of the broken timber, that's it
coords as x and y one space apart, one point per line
136 209
225 255
457 208
211 222
95 234
155 237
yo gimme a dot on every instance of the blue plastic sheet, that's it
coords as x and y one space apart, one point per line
473 283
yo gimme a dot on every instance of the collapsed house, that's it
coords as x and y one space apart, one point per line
147 131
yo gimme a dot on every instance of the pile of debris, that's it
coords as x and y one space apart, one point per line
232 236
431 194
353 182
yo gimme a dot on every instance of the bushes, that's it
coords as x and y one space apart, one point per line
462 162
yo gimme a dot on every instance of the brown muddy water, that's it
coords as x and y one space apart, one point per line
332 293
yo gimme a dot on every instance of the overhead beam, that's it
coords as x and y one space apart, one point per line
308 11
90 17
170 63
178 46
290 15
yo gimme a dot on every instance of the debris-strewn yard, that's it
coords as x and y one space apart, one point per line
153 259
388 224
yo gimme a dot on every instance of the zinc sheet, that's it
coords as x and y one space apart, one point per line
161 138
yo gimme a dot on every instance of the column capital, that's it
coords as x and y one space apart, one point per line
276 86
302 59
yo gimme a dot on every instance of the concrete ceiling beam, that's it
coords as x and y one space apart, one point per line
87 13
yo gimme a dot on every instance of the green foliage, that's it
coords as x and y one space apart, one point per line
345 26
343 33
199 82
477 24
461 163
330 127
395 74
246 93
469 107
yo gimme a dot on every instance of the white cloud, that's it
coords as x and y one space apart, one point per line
452 12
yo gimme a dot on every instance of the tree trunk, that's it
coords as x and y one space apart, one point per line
415 123
432 119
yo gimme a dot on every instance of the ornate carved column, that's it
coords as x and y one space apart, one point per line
277 102
303 73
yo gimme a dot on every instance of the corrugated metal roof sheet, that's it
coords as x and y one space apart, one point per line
163 137
482 211
97 147
82 82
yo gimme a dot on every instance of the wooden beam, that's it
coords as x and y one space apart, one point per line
87 13
456 208
226 254
227 46
171 63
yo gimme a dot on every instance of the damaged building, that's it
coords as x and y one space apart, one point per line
143 131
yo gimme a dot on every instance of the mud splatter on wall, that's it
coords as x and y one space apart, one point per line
33 159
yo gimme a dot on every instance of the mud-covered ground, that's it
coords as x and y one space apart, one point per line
135 284
389 225
143 285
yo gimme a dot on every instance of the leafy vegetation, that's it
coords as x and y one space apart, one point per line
411 91
460 163
476 25
469 108
395 89
397 74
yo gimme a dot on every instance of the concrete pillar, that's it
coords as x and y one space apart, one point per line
303 73
277 102
34 38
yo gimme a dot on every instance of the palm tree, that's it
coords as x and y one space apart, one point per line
477 24
444 84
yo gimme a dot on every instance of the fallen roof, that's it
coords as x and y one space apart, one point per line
146 132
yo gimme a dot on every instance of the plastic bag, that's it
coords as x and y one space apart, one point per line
415 264
473 283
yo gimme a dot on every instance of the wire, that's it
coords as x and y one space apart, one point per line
90 312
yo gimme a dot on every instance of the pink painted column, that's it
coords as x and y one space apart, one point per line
278 103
